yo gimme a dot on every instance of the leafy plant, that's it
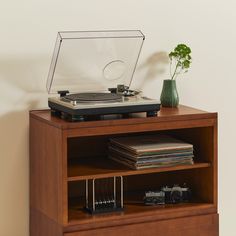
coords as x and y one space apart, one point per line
181 59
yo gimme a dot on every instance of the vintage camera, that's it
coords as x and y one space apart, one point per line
177 194
154 198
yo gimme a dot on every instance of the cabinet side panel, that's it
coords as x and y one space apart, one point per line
216 163
41 225
46 169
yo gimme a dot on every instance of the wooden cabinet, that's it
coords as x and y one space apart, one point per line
63 155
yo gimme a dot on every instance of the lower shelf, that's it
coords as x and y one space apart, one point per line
204 225
77 215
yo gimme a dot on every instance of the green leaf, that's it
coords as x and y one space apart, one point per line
186 64
181 56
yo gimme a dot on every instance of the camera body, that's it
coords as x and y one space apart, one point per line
177 194
171 195
154 198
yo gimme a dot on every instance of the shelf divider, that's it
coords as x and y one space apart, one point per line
98 168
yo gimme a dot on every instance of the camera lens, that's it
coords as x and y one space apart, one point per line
176 196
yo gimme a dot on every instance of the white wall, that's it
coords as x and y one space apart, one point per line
27 35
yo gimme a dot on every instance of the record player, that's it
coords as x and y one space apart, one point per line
92 72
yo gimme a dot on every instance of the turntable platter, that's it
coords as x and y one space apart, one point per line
94 97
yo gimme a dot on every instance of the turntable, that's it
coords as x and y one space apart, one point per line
92 73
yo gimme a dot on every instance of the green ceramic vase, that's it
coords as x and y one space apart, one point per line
169 94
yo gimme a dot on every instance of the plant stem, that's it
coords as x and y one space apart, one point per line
170 67
176 67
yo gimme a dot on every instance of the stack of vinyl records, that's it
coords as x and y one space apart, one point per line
149 151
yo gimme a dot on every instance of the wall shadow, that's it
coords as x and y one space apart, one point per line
153 68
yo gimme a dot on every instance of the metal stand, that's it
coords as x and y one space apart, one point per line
95 205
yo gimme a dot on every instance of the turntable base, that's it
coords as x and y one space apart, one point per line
94 106
73 117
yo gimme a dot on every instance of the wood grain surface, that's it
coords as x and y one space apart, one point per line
63 154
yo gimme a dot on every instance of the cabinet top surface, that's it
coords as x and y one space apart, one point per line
165 114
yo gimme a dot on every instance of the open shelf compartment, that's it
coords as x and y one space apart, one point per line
134 190
88 156
88 159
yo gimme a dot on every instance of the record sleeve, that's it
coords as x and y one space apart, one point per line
151 144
